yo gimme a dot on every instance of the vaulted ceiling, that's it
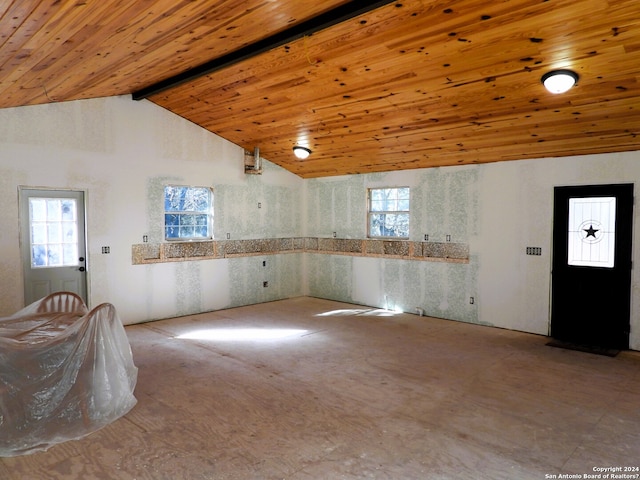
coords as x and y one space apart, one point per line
409 84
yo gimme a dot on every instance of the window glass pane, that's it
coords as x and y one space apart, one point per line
171 222
198 200
377 205
54 257
187 220
174 198
193 207
172 219
200 220
389 212
54 232
69 253
186 232
38 256
377 194
169 201
592 231
187 199
375 223
389 225
68 210
390 205
53 210
70 232
397 225
39 233
38 209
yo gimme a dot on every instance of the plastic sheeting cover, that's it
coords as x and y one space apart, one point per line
65 372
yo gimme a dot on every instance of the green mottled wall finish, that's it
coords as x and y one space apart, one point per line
330 276
443 202
155 206
188 288
337 205
237 213
247 274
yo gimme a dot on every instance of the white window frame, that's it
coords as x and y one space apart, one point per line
208 211
398 211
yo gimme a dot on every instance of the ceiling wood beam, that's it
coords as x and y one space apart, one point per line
308 27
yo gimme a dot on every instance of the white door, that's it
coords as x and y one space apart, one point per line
53 242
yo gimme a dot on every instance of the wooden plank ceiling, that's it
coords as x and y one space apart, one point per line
411 84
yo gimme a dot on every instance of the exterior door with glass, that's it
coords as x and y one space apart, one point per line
53 242
591 282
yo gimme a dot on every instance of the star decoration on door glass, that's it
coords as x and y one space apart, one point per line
591 232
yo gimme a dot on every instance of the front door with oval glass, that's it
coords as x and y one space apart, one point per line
52 242
591 282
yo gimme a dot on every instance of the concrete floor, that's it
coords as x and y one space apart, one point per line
349 392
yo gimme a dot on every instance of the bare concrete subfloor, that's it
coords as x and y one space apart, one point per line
305 389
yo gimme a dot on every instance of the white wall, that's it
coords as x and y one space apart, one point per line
517 211
498 209
122 152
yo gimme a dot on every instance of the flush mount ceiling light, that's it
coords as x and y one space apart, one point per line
301 152
559 81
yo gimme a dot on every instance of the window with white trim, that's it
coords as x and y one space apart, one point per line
188 213
388 212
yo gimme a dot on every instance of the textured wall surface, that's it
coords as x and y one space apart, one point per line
122 153
444 206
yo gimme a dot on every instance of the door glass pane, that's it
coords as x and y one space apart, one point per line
592 222
54 232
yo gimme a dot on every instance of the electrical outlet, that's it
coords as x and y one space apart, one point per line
264 263
265 284
472 300
106 250
534 250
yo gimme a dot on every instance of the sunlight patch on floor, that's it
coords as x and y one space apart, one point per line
381 312
374 312
242 334
342 312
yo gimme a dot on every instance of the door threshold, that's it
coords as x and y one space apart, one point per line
609 352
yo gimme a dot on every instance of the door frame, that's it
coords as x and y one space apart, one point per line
21 234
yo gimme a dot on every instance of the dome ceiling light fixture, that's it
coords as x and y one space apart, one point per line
559 81
301 152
